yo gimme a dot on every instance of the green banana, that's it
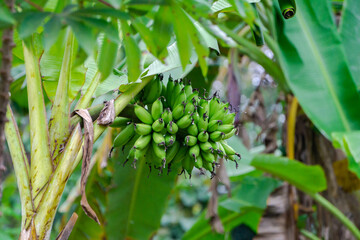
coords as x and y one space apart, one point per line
169 91
143 114
139 154
158 138
142 142
219 115
229 150
203 136
142 128
152 90
203 123
167 115
204 107
172 151
208 157
158 125
193 129
188 89
170 140
217 136
226 128
120 122
184 122
190 140
157 109
178 111
180 99
172 127
199 163
229 118
230 134
194 151
175 94
189 108
206 147
188 164
213 125
124 136
208 166
160 152
214 105
180 155
196 117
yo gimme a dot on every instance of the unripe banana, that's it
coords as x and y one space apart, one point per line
219 115
204 107
139 154
143 114
190 140
142 142
180 99
188 89
214 106
158 125
196 117
217 136
167 115
193 129
188 164
172 127
152 90
206 147
169 91
221 150
184 122
120 122
194 97
142 128
124 136
180 155
203 136
208 166
194 151
157 109
230 134
175 94
178 111
158 138
170 140
213 125
229 118
160 152
199 163
229 150
153 159
189 108
172 151
225 128
130 156
203 123
208 157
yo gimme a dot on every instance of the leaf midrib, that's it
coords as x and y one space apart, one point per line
323 69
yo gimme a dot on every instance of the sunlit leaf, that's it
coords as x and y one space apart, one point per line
51 31
30 23
162 30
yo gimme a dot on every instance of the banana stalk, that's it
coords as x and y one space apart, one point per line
41 164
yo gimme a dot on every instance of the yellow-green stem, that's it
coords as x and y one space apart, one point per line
85 99
60 117
41 164
21 167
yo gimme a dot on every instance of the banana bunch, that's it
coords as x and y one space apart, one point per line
175 125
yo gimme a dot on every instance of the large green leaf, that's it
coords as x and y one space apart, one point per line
350 32
137 200
316 68
30 23
245 206
309 179
162 30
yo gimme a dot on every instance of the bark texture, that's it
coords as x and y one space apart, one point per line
5 80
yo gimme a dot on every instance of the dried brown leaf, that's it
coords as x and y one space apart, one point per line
107 114
65 233
87 150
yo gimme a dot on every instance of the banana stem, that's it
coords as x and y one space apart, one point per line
337 213
86 98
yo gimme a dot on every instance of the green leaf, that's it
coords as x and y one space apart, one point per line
349 143
309 43
6 18
83 34
162 30
138 200
107 57
222 6
51 31
105 12
133 53
183 40
349 32
245 206
146 35
310 179
30 23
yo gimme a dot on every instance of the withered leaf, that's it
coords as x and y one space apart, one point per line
65 233
87 150
107 114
